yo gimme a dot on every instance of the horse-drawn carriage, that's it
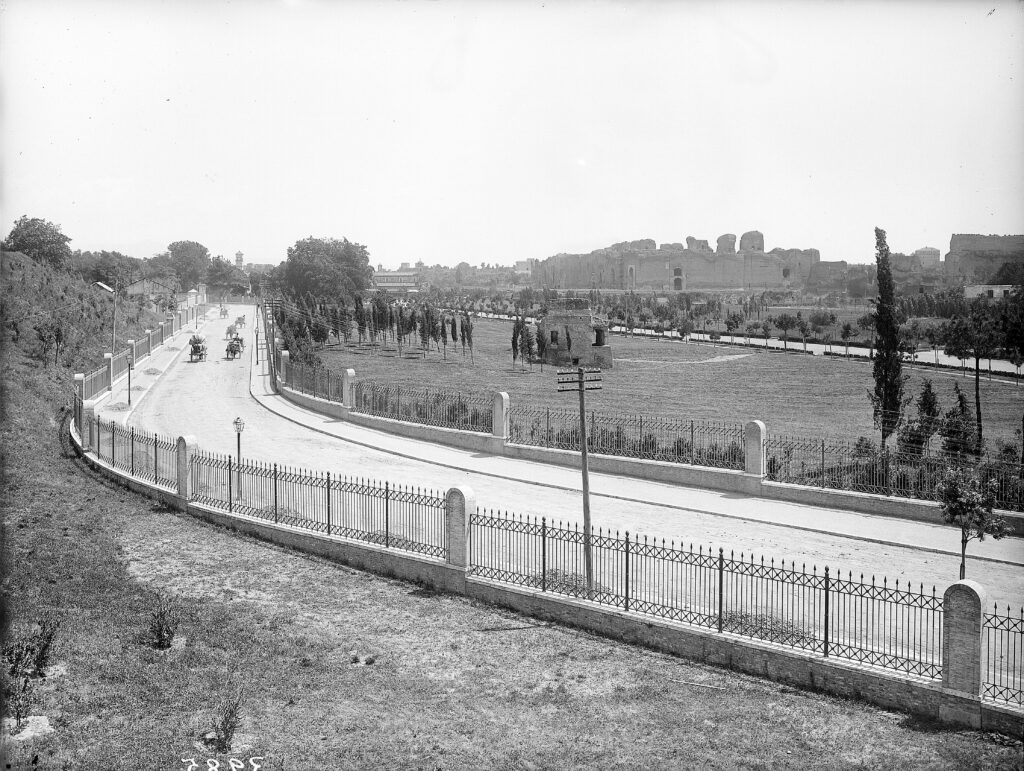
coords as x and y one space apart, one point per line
230 332
197 349
223 312
235 347
240 321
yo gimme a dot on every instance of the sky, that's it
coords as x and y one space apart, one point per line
500 131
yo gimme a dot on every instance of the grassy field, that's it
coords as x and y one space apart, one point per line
793 394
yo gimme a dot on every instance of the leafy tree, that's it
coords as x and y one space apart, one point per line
733 322
784 323
39 239
803 328
957 428
973 335
887 399
189 260
467 333
967 502
527 343
766 330
914 436
516 328
327 267
845 333
866 324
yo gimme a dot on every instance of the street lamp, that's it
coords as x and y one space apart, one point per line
239 428
131 366
257 346
113 326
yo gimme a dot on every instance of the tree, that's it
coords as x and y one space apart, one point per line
957 428
803 328
39 239
973 335
915 434
327 267
845 333
766 329
467 334
733 321
967 502
751 329
190 261
527 343
866 323
784 323
516 328
887 399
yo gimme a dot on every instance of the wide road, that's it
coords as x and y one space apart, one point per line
203 398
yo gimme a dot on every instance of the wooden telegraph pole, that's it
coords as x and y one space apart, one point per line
583 380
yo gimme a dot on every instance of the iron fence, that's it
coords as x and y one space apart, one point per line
119 363
406 518
320 382
142 454
447 409
1003 651
893 627
97 381
143 347
865 468
695 442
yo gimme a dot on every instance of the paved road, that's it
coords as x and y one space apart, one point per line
203 398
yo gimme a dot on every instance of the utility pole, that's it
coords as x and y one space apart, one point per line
583 380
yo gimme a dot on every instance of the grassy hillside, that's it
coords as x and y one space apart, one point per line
341 669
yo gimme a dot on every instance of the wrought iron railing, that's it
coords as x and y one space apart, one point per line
1003 652
893 627
863 468
447 409
392 516
695 442
144 455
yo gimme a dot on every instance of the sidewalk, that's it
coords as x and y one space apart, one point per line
863 527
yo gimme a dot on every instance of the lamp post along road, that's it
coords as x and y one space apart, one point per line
239 427
583 380
131 365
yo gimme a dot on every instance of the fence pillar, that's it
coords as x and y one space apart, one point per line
460 503
499 422
283 373
169 319
89 425
962 621
348 384
186 446
80 386
108 359
754 433
132 352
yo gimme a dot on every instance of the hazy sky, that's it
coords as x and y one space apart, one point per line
497 131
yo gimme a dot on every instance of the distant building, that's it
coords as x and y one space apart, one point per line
405 280
991 291
148 289
929 257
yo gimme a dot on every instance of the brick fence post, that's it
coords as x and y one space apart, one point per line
108 358
962 615
185 448
754 433
348 384
460 503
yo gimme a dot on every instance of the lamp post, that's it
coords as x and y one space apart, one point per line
257 345
131 366
239 428
113 326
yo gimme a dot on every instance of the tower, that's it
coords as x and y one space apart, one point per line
238 259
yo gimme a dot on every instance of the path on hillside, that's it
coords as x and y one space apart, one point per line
203 399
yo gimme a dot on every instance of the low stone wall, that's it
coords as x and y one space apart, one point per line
954 700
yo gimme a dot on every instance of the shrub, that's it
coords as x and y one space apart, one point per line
163 623
226 723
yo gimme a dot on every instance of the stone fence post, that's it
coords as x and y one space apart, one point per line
963 607
754 433
89 425
348 388
132 352
499 417
186 447
460 504
80 386
284 362
169 319
108 358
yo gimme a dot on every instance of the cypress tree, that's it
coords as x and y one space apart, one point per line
887 399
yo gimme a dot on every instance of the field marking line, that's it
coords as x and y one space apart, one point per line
673 507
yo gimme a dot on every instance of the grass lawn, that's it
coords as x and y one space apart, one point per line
811 396
452 685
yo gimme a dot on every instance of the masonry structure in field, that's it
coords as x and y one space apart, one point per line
575 335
